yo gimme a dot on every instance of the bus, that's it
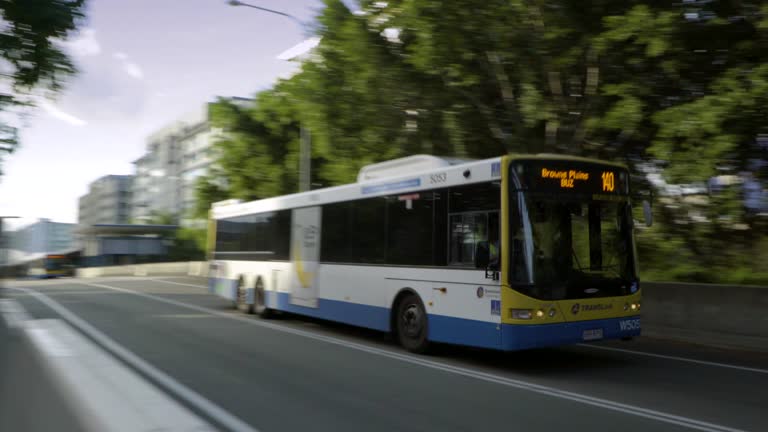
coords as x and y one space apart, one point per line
510 253
51 266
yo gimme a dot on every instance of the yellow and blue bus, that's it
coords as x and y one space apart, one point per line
51 266
509 253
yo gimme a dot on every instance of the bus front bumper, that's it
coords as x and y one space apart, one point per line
519 337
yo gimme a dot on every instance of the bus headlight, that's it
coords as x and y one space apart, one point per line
521 314
626 307
552 312
634 306
539 313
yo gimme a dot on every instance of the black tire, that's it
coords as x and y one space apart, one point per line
411 324
259 301
240 303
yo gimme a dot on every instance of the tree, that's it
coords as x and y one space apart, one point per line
259 149
32 56
188 244
208 190
680 88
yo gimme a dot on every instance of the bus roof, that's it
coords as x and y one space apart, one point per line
429 176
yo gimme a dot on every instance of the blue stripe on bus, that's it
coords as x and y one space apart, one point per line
517 337
372 317
462 331
386 187
226 288
445 329
441 328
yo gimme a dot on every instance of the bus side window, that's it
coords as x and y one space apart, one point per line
468 238
471 209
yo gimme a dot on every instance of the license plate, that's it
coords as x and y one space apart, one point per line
593 334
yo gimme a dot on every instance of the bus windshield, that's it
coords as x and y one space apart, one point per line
574 248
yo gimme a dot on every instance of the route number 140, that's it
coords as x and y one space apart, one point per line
608 182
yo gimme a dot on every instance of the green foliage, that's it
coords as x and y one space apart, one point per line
30 53
188 244
208 190
259 153
680 87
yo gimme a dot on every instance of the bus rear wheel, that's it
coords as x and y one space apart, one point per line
412 324
241 302
260 300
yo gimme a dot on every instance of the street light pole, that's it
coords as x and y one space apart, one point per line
263 9
305 139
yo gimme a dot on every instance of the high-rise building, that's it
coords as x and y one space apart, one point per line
156 184
176 156
41 237
108 201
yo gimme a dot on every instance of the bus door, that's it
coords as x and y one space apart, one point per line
305 255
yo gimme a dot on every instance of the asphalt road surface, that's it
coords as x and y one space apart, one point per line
244 373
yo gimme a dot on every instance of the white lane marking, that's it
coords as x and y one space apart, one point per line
13 313
48 343
483 376
104 394
191 397
683 359
178 283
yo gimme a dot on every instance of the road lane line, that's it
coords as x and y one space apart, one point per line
102 392
13 313
178 283
189 396
523 385
642 353
683 359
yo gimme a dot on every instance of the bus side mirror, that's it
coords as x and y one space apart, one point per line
647 213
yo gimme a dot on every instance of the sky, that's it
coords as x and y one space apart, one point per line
143 63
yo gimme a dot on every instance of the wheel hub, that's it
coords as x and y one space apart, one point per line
412 320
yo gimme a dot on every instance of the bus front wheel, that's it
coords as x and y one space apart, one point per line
412 324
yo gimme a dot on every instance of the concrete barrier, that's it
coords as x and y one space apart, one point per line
184 268
720 315
198 268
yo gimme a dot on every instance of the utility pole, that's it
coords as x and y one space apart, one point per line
305 139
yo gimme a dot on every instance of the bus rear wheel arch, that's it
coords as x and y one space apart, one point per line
410 323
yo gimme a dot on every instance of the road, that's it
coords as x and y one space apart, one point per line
293 373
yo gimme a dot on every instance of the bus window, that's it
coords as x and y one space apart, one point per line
474 224
410 220
520 268
471 243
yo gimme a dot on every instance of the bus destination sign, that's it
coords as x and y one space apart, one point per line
574 177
